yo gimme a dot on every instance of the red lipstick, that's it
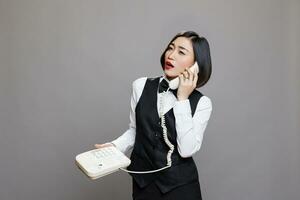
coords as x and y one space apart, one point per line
168 65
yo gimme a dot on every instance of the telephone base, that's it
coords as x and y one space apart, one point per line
97 163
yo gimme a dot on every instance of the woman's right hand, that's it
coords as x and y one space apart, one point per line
98 146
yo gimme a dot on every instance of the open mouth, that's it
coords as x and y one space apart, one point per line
169 65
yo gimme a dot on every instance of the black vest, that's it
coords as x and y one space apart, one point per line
150 151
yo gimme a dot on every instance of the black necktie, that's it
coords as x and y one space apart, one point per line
164 85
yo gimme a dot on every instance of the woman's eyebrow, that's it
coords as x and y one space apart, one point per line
180 47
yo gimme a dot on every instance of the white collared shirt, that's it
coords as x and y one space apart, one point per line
189 129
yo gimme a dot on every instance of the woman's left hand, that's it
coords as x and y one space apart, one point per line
187 84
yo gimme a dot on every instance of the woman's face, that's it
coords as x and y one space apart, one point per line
179 55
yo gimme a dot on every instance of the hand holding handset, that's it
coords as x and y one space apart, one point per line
174 84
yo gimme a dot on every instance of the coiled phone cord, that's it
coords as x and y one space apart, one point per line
166 139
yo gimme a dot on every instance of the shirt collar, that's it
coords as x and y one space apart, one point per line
163 77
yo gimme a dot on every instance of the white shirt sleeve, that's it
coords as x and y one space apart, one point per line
190 129
126 141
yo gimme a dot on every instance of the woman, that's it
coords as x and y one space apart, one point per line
186 112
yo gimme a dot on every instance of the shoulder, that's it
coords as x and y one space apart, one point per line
139 83
199 102
139 80
204 103
138 87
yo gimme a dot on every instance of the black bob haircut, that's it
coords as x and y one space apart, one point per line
201 55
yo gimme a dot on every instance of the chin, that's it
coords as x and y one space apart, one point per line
170 76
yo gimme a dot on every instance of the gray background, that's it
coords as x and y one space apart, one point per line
65 83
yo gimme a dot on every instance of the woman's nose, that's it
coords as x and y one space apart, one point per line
171 55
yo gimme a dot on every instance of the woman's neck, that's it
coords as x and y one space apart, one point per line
169 78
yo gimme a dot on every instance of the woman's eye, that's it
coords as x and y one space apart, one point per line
181 52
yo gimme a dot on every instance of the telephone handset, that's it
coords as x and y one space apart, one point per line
174 84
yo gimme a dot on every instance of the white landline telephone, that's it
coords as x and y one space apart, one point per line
100 162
